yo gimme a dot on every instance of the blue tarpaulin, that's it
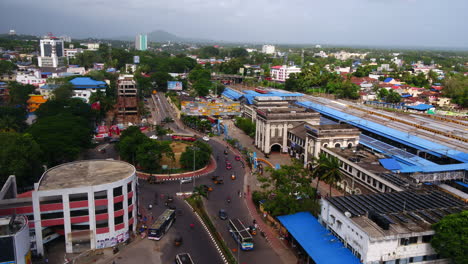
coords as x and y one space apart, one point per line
390 164
420 107
316 240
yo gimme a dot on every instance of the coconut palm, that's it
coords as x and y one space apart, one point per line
328 170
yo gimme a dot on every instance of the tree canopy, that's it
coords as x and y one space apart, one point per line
451 237
456 87
288 191
202 153
12 119
61 137
7 67
21 156
19 93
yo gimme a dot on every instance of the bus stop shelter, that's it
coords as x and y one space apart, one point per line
321 246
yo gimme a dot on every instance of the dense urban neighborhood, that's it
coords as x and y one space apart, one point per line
147 151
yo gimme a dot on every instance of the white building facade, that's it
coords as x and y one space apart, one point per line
281 73
387 235
52 53
268 49
92 203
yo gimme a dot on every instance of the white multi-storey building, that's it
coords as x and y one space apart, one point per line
281 73
268 49
52 52
389 228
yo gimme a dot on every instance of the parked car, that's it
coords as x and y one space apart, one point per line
205 138
222 214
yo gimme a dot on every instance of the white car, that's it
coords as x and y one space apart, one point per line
205 138
186 180
154 137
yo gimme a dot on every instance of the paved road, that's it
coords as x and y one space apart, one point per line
195 241
262 252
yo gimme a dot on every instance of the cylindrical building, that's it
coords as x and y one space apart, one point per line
91 202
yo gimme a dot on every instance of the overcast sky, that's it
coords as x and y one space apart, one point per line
442 23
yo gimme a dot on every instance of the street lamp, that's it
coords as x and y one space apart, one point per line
193 176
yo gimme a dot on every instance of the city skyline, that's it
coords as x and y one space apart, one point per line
356 22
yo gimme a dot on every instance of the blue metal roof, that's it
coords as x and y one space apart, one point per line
321 245
390 164
461 183
393 134
388 80
231 94
86 81
420 107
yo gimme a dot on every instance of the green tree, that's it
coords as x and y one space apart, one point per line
289 191
61 137
12 119
232 66
150 153
198 74
106 103
382 93
208 52
63 92
451 237
130 139
328 170
161 79
246 125
21 156
456 88
393 97
202 153
7 67
239 52
363 71
202 87
19 93
73 106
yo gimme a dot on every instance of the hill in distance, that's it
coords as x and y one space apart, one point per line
164 36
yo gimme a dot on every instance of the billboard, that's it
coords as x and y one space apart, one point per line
174 86
210 108
136 59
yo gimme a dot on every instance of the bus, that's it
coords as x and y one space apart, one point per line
183 258
241 234
160 227
184 137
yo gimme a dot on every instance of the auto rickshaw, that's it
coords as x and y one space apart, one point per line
217 180
178 240
233 177
252 230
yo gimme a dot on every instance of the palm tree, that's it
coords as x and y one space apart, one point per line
328 170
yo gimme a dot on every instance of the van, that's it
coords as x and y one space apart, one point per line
186 180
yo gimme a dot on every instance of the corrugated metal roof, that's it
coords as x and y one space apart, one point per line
319 243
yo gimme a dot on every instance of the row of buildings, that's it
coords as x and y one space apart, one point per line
397 185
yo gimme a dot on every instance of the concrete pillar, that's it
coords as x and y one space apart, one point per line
257 132
125 205
92 219
317 148
285 137
267 138
134 202
37 222
110 209
262 147
67 224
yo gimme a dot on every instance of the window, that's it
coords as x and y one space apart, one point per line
404 241
427 239
117 191
118 220
129 187
413 240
